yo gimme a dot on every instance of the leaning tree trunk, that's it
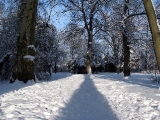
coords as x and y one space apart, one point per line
154 27
23 69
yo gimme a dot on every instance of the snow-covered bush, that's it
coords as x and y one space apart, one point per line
44 40
8 37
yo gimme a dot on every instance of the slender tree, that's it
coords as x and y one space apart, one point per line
23 69
126 43
154 27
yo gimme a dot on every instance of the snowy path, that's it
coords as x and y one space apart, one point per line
130 101
87 104
81 97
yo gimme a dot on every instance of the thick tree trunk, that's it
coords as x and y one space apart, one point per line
154 27
89 54
24 64
126 54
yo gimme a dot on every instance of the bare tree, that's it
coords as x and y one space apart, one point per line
85 12
119 26
74 38
111 32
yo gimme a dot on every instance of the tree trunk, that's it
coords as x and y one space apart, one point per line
126 54
115 50
55 67
126 49
89 54
24 64
154 27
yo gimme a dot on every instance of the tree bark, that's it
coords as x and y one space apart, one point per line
55 67
126 55
23 69
155 30
126 49
89 54
115 50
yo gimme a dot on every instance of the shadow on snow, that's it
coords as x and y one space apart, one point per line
136 79
87 104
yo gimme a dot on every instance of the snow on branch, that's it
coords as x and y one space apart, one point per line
90 42
29 57
32 47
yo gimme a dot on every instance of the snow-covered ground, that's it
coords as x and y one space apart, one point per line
105 96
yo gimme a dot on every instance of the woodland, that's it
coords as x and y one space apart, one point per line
101 36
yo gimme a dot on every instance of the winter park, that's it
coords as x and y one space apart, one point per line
80 60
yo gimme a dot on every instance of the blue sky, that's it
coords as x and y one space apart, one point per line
59 19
